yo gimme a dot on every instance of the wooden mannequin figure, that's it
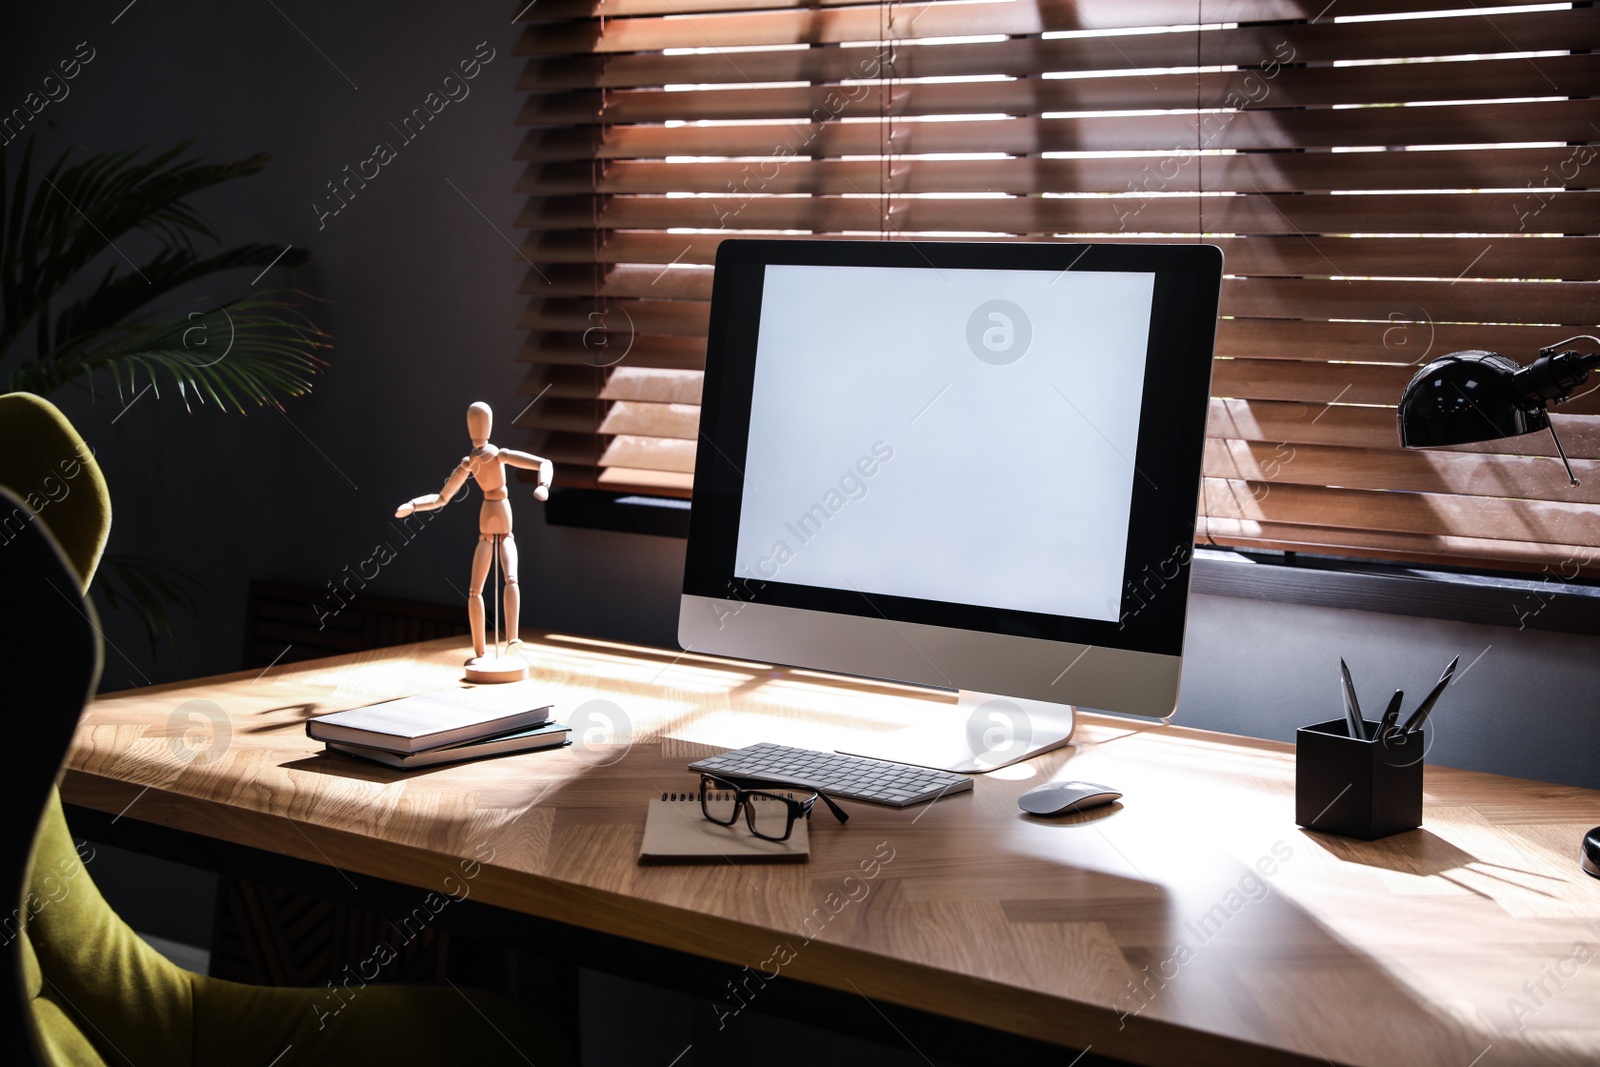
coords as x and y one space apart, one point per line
486 465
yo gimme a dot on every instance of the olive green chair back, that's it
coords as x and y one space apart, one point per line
49 663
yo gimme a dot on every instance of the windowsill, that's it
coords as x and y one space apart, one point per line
1547 602
596 509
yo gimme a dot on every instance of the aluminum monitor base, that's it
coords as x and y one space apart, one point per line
981 733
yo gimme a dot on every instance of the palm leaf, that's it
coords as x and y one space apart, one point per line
252 351
117 297
77 211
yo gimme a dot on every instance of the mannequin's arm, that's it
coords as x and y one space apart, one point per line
528 461
435 501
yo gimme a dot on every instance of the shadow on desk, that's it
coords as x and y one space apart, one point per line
1423 853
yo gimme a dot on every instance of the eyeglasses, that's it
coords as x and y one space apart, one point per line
768 815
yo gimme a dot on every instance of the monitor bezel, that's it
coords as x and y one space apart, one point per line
1168 461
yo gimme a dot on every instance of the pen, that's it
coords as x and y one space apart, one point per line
1420 716
1352 706
1390 714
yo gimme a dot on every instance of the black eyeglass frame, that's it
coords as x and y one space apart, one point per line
743 795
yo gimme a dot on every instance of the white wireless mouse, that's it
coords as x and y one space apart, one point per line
1059 798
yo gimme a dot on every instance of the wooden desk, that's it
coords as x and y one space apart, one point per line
1191 924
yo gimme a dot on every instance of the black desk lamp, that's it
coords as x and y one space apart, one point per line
1484 396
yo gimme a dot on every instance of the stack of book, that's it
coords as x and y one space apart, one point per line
441 727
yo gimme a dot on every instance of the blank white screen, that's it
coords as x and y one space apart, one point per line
886 456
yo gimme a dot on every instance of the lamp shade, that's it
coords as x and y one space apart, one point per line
1468 396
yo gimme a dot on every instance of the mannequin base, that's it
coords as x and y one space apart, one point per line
509 668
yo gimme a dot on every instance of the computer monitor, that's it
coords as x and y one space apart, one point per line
972 466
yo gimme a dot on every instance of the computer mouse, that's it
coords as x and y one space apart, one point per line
1591 852
1060 798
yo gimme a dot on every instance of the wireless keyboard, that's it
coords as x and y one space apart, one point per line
850 777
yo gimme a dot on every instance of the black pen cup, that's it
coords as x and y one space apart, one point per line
1354 787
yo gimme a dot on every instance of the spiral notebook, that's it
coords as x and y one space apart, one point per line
676 831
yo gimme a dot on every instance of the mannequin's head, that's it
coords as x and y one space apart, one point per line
480 421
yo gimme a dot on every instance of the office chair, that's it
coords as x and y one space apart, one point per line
79 986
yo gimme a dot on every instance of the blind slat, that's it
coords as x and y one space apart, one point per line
1400 257
1573 303
1247 88
1274 422
1410 336
1311 171
1394 343
1445 124
836 25
1566 211
677 421
1508 477
623 382
1332 383
1103 17
650 453
1436 514
659 483
626 320
1457 550
643 383
561 383
564 345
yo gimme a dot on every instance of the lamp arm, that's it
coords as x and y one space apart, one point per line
1552 377
1557 372
1568 341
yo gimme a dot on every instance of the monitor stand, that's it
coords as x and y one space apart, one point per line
981 733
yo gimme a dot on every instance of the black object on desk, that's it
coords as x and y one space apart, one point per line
1420 716
1356 787
1352 707
1591 852
1391 715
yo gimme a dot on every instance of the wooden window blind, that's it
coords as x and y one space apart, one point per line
1389 182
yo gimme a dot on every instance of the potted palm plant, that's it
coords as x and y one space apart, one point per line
61 325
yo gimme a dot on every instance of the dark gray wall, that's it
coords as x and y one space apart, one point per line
422 305
1524 702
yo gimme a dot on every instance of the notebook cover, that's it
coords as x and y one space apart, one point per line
676 831
545 735
433 720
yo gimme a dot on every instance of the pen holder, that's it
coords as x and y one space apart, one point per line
1357 788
